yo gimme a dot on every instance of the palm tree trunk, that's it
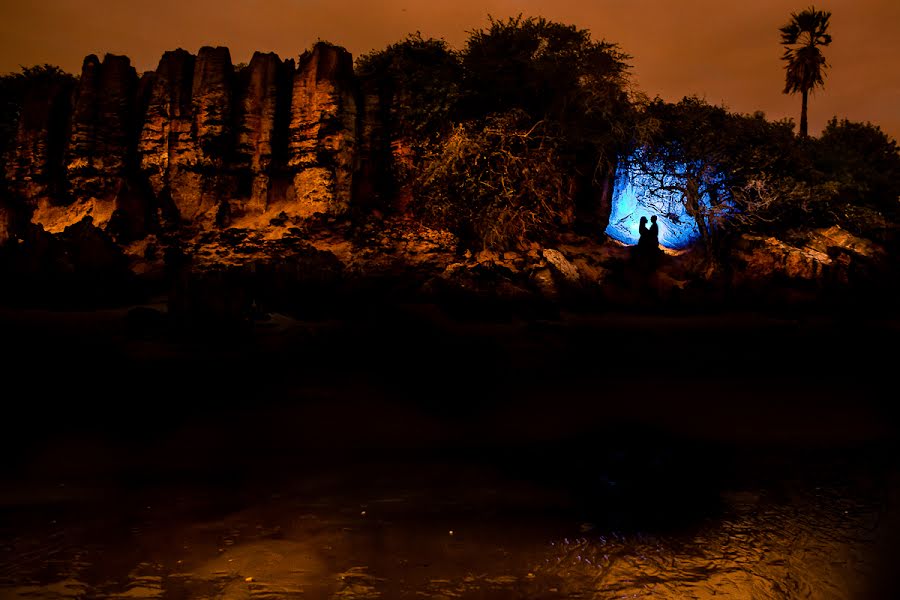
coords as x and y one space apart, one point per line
803 115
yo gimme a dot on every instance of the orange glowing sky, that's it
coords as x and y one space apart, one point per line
726 51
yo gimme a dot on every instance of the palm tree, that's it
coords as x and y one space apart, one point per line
805 68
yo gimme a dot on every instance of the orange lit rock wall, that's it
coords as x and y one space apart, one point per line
197 142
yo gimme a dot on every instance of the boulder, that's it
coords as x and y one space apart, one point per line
565 271
829 256
834 241
759 258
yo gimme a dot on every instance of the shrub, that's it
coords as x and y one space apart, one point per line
495 183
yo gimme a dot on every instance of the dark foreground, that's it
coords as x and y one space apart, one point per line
404 453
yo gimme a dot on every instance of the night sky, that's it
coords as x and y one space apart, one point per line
727 52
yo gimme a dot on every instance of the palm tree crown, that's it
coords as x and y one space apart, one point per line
805 69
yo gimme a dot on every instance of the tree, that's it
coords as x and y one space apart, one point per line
716 167
863 160
495 183
802 37
678 171
550 71
418 80
415 86
517 76
557 74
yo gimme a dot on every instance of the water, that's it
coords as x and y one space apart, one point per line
458 531
477 460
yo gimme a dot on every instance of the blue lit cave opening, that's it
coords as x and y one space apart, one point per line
636 196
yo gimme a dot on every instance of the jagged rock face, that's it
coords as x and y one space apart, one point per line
211 99
99 151
371 178
34 165
167 150
187 139
385 157
191 142
264 110
323 132
100 140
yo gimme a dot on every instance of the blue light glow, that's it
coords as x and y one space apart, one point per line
633 200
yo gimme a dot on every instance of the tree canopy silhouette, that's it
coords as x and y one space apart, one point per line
710 161
802 37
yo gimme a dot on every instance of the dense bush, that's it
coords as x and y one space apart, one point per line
495 183
418 80
863 161
495 138
735 173
848 176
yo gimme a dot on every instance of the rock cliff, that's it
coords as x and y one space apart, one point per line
193 143
323 131
264 104
34 165
101 132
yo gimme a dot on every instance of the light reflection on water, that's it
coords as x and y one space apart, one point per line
816 543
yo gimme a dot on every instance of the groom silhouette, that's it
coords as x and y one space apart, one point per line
653 233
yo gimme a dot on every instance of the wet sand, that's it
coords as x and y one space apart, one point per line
404 453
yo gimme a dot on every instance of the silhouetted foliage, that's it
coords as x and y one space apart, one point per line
849 176
805 69
549 70
683 159
416 84
418 80
864 162
554 72
516 77
495 183
711 162
734 173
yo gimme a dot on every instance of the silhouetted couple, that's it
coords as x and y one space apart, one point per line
649 239
648 244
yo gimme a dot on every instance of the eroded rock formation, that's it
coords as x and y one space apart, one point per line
323 131
34 165
264 112
192 143
167 148
101 134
